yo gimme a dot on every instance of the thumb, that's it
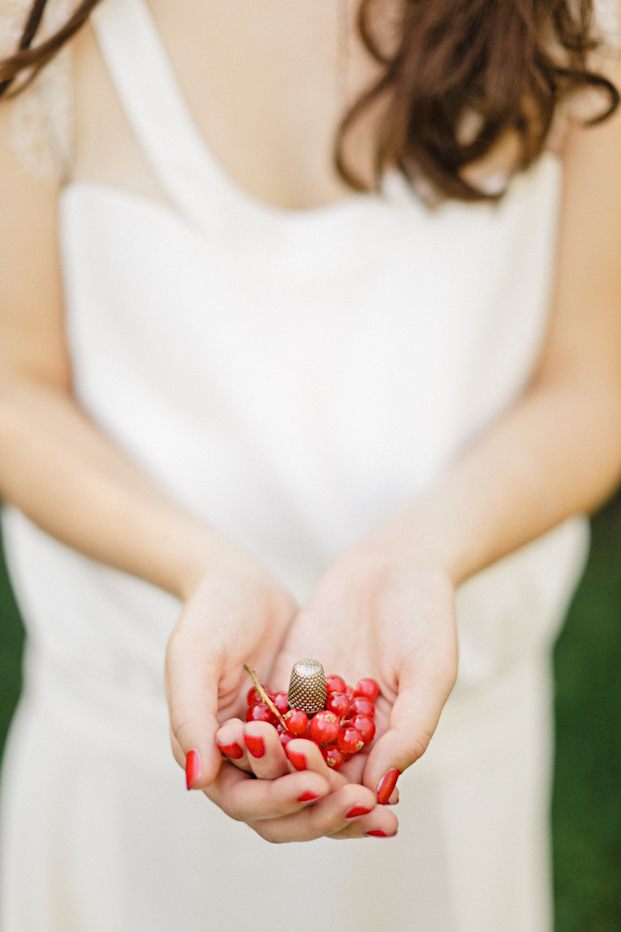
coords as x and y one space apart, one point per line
413 720
192 689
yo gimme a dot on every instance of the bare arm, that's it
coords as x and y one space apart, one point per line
558 451
56 465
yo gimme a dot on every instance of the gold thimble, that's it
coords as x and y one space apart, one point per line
307 687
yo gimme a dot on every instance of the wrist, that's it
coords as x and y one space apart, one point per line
194 552
416 539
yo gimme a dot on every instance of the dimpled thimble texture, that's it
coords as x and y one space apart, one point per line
307 688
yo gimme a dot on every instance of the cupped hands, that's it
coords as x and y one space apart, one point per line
380 610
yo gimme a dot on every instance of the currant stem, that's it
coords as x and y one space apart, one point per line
264 696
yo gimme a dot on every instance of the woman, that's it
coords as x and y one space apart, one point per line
246 404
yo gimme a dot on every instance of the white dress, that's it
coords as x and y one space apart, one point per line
291 377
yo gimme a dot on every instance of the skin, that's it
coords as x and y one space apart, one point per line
385 608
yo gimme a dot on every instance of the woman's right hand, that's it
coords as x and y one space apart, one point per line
235 614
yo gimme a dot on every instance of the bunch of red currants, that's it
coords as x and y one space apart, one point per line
344 727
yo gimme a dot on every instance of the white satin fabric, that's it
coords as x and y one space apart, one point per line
292 377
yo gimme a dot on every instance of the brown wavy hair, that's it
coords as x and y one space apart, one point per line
508 63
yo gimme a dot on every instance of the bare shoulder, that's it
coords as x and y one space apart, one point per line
586 318
591 213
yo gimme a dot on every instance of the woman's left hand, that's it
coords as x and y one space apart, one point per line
383 611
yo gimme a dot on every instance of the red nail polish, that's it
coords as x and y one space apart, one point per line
232 750
308 796
298 760
387 785
192 768
378 833
356 811
255 745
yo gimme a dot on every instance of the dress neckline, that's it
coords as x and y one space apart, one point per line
192 177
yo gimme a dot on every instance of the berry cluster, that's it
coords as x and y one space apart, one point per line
340 730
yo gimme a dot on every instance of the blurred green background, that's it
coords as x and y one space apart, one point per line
587 788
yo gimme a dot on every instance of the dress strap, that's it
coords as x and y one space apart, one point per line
157 111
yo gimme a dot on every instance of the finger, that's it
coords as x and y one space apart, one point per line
230 740
413 720
380 823
265 753
305 755
192 690
247 800
343 811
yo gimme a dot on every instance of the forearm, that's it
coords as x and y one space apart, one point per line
556 453
73 482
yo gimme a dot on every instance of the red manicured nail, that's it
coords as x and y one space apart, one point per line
308 796
298 760
232 750
255 745
192 768
356 811
387 785
378 833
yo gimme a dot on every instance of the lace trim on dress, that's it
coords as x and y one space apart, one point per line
608 26
42 119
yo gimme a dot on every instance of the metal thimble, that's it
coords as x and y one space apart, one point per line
307 687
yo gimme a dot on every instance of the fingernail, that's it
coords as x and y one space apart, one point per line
378 833
255 745
387 785
394 798
192 768
298 760
357 811
232 750
308 796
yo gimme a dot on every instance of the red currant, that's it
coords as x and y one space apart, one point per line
360 705
365 726
281 701
260 712
297 721
253 696
335 684
333 756
349 740
338 703
349 691
324 727
367 688
285 737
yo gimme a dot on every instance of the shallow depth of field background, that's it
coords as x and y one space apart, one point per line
587 791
